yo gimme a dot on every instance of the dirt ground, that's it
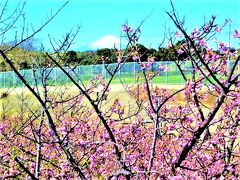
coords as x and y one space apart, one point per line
116 91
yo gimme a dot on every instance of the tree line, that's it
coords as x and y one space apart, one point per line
24 56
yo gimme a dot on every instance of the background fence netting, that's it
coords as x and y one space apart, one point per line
83 73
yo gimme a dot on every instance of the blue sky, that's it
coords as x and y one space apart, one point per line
101 20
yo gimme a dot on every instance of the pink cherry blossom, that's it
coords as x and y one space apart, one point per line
119 60
130 29
222 46
195 33
169 45
135 57
236 34
180 51
203 43
2 127
142 65
218 29
124 28
178 34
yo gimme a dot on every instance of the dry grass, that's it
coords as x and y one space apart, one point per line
12 102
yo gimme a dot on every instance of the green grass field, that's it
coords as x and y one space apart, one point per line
171 77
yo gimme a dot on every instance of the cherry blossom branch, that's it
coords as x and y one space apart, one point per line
24 168
188 147
51 123
99 114
179 25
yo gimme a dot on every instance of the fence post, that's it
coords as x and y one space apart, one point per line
184 69
4 79
55 76
69 74
166 64
13 77
120 71
134 69
104 74
32 70
23 74
92 72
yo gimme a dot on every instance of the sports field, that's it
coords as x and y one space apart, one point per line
129 78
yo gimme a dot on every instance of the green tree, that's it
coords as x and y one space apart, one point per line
160 55
107 55
86 57
71 57
152 51
143 52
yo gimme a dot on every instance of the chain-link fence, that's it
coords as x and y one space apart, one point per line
128 72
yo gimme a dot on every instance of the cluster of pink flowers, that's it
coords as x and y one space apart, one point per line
136 57
218 29
236 34
126 28
180 51
150 61
203 43
178 34
195 34
131 34
163 67
2 127
91 145
222 46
